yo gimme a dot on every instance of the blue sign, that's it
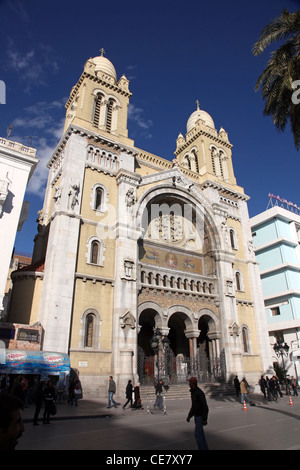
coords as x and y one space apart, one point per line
21 361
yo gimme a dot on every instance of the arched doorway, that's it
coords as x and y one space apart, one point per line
146 357
210 357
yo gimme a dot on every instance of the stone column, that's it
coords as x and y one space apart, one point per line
124 340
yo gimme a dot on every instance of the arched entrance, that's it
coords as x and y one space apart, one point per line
210 358
175 363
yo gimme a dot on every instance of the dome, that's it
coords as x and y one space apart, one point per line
199 114
104 65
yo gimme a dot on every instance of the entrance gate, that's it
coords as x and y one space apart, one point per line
176 370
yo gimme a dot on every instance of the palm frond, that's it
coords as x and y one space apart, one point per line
285 26
283 68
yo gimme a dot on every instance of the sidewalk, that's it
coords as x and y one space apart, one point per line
97 408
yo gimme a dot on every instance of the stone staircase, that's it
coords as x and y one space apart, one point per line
181 391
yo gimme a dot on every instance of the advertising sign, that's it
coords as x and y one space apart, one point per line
17 361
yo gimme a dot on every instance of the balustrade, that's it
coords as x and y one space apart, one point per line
197 284
100 158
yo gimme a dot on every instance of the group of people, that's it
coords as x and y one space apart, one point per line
137 404
199 409
242 388
130 391
270 388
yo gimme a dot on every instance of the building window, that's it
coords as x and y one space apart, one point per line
109 115
89 330
275 311
245 338
98 199
95 251
97 109
233 239
28 335
238 284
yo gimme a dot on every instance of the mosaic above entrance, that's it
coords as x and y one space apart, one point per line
170 259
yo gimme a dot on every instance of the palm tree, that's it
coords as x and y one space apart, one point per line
277 81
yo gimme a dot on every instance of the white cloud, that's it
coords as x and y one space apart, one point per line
136 115
33 66
42 123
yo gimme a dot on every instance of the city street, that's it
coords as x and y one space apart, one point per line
266 426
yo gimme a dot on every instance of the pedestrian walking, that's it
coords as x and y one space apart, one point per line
159 395
128 394
294 386
269 395
77 392
244 391
137 398
49 398
111 392
237 386
38 399
273 384
278 386
263 385
199 410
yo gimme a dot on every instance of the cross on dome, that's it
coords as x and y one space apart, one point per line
102 52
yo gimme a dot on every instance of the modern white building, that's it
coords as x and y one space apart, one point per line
276 237
17 164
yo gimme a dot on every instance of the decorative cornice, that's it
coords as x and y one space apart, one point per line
198 134
73 129
98 80
223 189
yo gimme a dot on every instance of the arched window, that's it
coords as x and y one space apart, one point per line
245 338
95 252
233 239
238 284
98 198
89 330
109 112
97 108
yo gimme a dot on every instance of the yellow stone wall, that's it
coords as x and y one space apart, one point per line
98 296
25 301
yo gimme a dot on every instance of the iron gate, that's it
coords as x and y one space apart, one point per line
177 369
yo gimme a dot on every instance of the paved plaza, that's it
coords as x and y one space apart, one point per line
91 426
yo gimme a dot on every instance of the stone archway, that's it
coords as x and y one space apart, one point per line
150 317
210 355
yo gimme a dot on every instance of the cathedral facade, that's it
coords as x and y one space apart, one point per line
130 244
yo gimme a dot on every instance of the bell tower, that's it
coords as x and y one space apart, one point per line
204 150
98 102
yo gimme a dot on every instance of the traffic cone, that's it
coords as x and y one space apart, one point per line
245 407
291 403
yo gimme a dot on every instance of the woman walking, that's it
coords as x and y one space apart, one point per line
128 394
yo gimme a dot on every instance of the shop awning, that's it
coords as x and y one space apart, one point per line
20 361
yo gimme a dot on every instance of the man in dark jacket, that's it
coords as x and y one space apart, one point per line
199 410
111 392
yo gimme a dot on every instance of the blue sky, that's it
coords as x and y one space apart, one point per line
173 52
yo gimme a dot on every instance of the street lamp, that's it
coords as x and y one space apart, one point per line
155 343
282 349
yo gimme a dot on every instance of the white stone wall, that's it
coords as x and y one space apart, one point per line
17 164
